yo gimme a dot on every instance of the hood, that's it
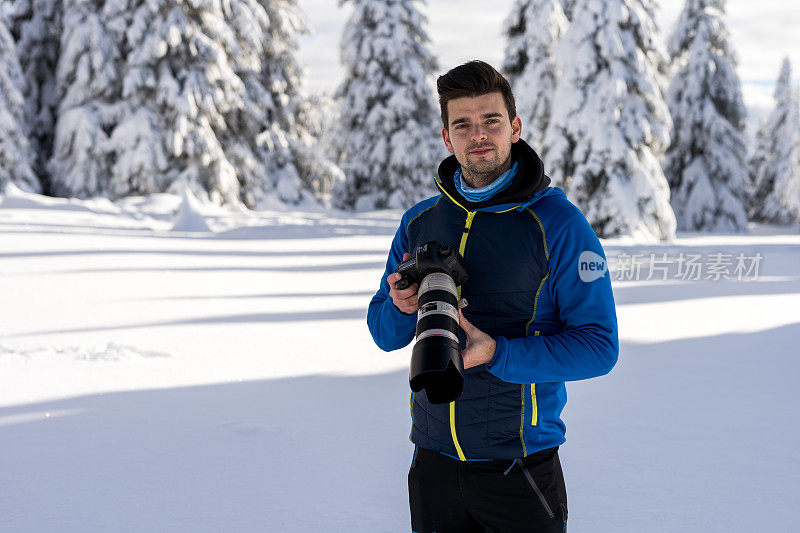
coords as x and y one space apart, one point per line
529 183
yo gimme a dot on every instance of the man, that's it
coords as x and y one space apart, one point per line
540 313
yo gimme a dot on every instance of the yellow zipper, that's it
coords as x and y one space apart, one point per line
534 412
453 431
462 246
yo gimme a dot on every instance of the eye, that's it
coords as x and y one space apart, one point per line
459 126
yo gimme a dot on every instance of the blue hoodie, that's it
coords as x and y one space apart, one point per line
538 284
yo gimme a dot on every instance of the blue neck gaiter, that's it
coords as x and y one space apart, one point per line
484 193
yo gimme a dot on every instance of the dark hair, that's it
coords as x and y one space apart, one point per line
472 79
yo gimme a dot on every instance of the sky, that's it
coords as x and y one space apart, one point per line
460 30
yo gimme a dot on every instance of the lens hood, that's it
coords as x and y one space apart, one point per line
437 367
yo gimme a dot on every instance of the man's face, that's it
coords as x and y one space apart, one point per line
480 134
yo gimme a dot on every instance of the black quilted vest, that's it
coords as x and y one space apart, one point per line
507 264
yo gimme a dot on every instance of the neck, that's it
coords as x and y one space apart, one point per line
482 179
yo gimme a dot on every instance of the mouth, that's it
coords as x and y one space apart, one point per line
480 152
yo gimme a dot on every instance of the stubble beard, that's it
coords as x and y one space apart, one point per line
478 176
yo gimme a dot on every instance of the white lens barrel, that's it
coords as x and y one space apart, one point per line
437 308
437 333
438 281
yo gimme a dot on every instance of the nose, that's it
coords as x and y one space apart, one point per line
478 133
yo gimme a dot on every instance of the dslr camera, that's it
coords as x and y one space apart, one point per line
436 362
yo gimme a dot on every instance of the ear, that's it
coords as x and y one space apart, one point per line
516 129
446 139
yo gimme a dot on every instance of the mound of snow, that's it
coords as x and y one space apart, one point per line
161 206
15 198
189 217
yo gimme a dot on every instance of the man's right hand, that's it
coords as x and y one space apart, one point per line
406 299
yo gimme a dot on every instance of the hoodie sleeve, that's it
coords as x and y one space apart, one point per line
588 344
391 328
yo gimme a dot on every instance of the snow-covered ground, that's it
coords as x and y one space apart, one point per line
212 371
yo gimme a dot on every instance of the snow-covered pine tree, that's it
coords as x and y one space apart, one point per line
533 28
321 114
88 88
36 28
609 123
706 162
16 156
775 164
389 137
283 119
178 85
213 102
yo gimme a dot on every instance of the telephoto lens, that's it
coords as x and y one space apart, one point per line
436 363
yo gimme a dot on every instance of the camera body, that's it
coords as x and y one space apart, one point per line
432 257
436 362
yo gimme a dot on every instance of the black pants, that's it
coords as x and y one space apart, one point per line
447 495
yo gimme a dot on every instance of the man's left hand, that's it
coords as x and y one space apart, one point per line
480 346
